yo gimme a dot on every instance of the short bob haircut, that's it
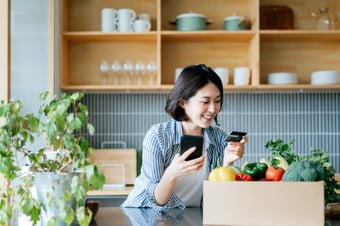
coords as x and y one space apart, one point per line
191 79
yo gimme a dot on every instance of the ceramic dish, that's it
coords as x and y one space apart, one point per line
325 77
282 78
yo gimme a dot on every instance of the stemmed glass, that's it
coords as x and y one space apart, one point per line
151 69
128 71
105 69
140 71
116 68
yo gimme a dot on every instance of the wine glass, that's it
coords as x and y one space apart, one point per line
105 69
151 69
116 68
140 71
128 71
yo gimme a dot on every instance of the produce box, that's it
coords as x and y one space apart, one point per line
263 203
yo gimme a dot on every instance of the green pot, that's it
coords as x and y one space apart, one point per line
191 22
234 23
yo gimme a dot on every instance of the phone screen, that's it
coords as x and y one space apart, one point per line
189 141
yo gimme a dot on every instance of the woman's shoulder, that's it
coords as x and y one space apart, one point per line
164 127
216 131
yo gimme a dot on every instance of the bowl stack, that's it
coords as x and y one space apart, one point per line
325 77
282 78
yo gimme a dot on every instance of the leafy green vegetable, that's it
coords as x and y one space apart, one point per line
279 148
313 167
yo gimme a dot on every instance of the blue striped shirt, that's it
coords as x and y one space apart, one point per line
160 145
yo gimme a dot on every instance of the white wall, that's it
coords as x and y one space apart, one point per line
29 51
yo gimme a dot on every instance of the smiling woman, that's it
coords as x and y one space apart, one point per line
168 179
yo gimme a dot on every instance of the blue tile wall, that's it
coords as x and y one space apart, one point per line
312 120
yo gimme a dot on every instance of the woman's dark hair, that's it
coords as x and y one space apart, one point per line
191 79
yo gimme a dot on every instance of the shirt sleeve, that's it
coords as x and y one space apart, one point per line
156 157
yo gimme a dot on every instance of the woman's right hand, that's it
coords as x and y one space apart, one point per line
179 166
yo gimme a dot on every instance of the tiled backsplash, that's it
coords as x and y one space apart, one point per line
310 119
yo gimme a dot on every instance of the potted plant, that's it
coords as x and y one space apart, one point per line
49 184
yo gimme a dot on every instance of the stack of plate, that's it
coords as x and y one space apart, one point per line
282 78
325 77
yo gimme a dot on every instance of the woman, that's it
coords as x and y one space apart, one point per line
167 180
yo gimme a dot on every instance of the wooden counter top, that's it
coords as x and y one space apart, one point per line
111 192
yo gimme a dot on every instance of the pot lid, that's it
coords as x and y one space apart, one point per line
234 17
186 15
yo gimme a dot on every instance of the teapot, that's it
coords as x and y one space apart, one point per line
325 19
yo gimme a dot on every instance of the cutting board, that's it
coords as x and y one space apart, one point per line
112 161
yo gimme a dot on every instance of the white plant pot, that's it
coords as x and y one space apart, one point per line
51 183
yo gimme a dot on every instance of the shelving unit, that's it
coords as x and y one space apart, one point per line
301 50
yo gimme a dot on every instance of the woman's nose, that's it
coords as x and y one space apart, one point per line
212 108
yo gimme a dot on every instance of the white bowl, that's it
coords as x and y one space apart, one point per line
325 77
281 78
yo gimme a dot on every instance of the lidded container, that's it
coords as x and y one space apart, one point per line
191 22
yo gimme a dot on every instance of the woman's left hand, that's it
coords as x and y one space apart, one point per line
234 151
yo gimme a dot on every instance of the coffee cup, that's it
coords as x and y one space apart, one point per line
141 25
109 20
241 76
178 72
144 16
125 26
126 15
223 73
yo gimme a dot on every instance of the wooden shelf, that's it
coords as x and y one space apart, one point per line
98 36
299 35
302 51
239 36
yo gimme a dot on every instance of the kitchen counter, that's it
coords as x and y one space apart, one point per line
115 216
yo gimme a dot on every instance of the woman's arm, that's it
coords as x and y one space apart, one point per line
178 167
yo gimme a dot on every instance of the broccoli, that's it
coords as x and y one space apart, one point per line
305 170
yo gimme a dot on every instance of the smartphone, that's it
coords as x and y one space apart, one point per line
189 141
235 136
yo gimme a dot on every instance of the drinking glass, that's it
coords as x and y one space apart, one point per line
105 70
140 71
116 68
128 71
151 68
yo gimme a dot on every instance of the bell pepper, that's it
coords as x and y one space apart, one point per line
256 170
243 177
222 174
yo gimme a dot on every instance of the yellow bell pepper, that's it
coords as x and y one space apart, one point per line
222 174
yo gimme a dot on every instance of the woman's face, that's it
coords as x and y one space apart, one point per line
203 107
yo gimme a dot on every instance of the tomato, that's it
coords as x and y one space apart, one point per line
274 173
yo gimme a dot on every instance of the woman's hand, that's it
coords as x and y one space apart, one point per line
234 151
179 166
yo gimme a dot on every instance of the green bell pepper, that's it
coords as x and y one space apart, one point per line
256 170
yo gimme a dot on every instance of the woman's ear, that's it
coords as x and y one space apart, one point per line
181 103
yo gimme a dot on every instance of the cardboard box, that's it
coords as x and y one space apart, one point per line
263 203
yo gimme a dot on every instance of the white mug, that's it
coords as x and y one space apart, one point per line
141 26
126 15
223 73
125 26
241 76
144 16
178 72
109 20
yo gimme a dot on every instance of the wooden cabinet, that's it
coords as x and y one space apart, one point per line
302 50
